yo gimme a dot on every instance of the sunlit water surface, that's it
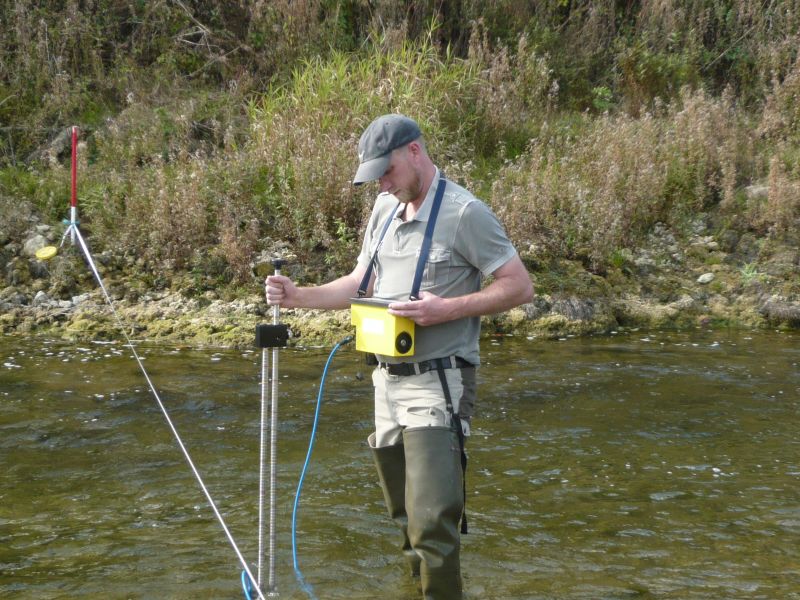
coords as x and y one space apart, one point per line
638 465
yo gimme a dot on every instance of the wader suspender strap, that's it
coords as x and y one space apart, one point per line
426 242
362 289
460 432
423 252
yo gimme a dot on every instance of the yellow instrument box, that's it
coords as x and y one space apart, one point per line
379 332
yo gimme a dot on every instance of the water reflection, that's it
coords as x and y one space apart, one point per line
644 464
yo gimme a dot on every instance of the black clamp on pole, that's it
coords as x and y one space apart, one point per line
272 336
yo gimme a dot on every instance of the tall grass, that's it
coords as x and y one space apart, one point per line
167 182
305 133
596 188
83 62
215 131
779 129
80 62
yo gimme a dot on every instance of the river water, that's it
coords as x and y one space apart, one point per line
635 465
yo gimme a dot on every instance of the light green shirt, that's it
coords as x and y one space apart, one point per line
468 243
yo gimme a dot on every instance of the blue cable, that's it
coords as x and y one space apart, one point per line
298 574
247 586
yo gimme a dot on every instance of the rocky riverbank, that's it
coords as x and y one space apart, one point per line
702 277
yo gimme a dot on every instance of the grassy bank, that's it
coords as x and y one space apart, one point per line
213 134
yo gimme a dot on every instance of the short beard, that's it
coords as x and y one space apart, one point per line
412 192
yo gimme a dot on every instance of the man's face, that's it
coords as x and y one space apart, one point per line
402 178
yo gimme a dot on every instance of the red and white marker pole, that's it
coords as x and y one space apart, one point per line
73 206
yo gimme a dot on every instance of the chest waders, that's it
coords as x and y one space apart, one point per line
422 478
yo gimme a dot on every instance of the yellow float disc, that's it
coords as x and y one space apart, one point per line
46 253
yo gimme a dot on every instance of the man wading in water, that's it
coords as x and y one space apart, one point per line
423 408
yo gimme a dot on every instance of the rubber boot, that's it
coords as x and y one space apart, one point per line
391 464
435 503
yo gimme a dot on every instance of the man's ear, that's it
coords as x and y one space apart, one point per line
415 149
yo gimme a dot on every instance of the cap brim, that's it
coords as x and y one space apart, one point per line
371 170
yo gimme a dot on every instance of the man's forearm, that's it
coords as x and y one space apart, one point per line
332 295
499 296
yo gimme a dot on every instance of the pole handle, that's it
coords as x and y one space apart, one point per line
277 263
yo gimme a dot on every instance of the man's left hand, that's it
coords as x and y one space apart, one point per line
430 309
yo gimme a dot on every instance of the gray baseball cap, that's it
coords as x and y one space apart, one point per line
380 138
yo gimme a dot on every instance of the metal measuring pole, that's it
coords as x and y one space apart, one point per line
269 336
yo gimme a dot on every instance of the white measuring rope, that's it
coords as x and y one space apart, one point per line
211 502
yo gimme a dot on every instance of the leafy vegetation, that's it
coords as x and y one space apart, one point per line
212 131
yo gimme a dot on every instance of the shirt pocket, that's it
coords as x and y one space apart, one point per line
437 267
